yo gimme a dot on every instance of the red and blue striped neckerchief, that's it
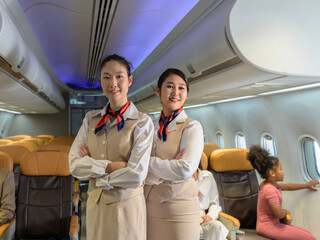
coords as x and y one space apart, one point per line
164 122
109 112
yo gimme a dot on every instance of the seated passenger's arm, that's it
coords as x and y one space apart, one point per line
278 211
271 194
7 201
214 207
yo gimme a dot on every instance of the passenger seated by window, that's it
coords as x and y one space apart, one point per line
269 210
210 227
7 197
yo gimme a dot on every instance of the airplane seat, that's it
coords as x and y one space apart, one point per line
17 153
231 223
67 140
23 136
5 142
13 138
31 146
7 230
36 141
238 188
6 161
66 149
44 140
208 148
204 162
44 203
55 147
51 137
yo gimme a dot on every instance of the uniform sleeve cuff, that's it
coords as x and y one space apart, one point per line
103 182
99 168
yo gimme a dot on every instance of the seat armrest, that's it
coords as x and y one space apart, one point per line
7 229
75 201
76 186
289 217
231 223
74 227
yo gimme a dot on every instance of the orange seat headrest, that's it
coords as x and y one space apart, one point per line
5 141
54 147
6 161
31 146
44 163
223 160
16 152
51 137
208 148
204 161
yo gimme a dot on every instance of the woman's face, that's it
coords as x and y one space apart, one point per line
173 93
115 82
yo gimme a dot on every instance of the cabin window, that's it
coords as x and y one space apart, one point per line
241 141
311 155
268 143
220 140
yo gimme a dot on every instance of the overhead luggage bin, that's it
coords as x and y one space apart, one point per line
280 37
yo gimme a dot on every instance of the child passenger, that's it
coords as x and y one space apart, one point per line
270 209
112 150
171 191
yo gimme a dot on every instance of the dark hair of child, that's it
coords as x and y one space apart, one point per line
261 160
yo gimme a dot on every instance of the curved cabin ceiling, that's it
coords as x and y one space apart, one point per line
224 53
76 34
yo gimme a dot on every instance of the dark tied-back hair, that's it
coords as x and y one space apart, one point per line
119 59
172 71
261 160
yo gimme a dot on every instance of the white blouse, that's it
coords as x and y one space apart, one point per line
210 196
131 176
173 169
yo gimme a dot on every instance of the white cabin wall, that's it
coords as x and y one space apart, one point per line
37 124
286 117
5 123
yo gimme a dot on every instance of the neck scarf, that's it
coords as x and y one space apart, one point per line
164 122
109 112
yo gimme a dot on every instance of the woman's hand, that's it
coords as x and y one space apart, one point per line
114 166
312 183
206 218
200 195
84 151
180 154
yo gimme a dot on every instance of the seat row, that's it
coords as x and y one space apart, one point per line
238 188
45 203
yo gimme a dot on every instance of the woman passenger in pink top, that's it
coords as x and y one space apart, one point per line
270 211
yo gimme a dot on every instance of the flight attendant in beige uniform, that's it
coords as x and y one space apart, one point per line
112 149
170 190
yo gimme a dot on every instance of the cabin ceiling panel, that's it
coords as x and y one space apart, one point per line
140 25
63 29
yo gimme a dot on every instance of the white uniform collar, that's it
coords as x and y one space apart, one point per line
182 117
